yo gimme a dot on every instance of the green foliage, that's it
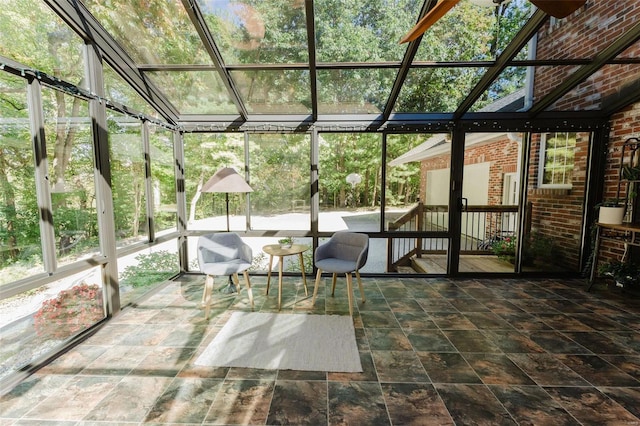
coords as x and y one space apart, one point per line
624 273
505 248
71 311
150 269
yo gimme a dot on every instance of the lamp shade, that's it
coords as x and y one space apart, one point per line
226 180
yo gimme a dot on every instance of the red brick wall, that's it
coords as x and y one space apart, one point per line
594 27
557 213
624 125
502 154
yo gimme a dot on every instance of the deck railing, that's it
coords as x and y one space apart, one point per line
481 227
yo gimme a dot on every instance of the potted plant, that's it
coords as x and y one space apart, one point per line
611 211
625 274
505 248
286 242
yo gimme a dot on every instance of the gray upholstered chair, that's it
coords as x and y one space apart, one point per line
223 254
344 253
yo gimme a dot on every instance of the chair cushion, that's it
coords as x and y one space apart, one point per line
225 268
331 264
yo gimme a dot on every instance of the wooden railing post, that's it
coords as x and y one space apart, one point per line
420 211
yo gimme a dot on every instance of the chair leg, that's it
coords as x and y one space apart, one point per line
236 281
315 287
350 292
360 285
248 284
333 283
206 295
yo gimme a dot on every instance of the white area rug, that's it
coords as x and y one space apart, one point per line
285 342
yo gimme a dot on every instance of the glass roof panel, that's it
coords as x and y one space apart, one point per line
36 37
434 89
117 90
275 92
506 93
152 32
594 34
195 92
258 31
363 30
354 91
633 52
548 77
607 82
469 32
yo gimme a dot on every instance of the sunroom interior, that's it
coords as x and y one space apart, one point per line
479 150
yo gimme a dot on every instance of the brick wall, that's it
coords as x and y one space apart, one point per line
557 213
594 26
501 152
624 125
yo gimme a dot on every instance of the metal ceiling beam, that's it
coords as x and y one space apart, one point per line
381 65
405 65
524 35
193 10
74 13
311 45
614 49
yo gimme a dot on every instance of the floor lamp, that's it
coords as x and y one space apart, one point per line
227 180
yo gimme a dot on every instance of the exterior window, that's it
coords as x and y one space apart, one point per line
557 159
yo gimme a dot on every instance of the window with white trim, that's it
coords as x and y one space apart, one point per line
557 154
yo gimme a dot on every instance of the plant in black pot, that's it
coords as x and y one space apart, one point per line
625 274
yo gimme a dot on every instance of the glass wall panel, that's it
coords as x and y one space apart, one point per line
417 200
554 215
350 170
163 179
20 246
127 178
145 270
354 91
260 262
261 31
37 322
71 175
491 196
279 167
41 40
205 154
273 92
402 192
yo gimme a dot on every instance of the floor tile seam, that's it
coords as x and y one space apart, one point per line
547 393
567 407
472 385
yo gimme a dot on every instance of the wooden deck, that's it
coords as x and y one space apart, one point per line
437 264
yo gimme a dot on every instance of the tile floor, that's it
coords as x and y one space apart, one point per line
434 352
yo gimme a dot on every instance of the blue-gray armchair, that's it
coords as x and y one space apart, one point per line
344 253
221 254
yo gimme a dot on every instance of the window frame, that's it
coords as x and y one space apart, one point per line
542 161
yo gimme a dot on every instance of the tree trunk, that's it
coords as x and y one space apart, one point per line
194 201
9 207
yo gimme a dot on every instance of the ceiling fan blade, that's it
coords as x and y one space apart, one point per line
558 8
437 12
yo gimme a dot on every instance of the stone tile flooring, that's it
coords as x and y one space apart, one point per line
434 352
